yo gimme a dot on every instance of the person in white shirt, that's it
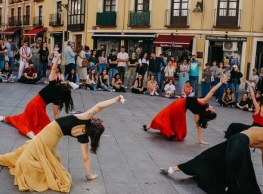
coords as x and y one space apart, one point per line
25 56
122 59
253 79
169 89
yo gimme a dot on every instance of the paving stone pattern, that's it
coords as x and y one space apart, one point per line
128 159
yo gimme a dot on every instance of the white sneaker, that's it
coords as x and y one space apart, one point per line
4 81
46 82
12 81
2 118
30 134
156 93
125 87
152 93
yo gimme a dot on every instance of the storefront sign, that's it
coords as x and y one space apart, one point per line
228 39
171 45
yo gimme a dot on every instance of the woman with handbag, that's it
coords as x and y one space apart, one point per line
43 54
169 71
82 64
184 74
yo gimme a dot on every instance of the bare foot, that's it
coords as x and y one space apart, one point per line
204 143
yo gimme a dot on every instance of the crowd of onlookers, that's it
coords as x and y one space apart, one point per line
116 71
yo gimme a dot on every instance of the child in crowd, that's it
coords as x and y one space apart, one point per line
169 89
187 90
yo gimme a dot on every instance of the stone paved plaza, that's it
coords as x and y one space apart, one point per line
128 159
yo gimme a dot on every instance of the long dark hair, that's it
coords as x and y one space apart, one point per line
65 98
205 116
115 76
90 75
94 130
231 92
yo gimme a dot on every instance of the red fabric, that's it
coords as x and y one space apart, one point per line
34 118
258 118
34 31
29 71
10 31
187 90
172 120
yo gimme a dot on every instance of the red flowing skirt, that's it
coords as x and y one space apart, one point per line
34 118
172 120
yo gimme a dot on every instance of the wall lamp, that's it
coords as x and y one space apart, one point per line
199 7
65 6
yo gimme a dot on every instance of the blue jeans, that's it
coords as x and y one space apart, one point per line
3 78
235 88
112 73
157 77
2 64
68 69
42 69
205 88
11 62
194 82
102 67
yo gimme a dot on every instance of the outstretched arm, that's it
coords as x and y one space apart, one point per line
213 90
98 107
52 75
252 94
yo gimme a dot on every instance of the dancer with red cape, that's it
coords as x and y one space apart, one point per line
226 167
34 118
171 121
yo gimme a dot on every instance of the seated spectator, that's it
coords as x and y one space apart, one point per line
169 89
6 74
104 81
251 107
187 90
60 75
243 104
152 86
92 80
138 85
73 79
117 83
29 75
228 98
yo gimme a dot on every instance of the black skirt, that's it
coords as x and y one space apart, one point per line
234 128
226 166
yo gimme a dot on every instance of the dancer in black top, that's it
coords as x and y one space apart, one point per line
34 118
36 165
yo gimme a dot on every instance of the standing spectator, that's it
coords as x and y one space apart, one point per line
39 42
29 75
69 56
187 90
3 51
102 62
162 72
43 55
213 69
53 57
11 47
169 89
253 79
142 68
218 74
174 62
152 86
155 67
25 56
87 52
138 85
112 64
92 80
6 74
93 61
100 50
122 59
117 83
34 59
235 80
206 80
81 70
169 71
76 56
194 73
184 74
133 63
227 73
260 81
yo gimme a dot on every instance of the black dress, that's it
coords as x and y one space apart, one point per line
226 166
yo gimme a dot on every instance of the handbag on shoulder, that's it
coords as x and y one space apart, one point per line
85 63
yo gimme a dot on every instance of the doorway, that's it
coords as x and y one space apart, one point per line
216 53
78 40
259 56
58 40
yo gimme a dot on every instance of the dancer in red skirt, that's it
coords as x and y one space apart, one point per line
171 121
34 118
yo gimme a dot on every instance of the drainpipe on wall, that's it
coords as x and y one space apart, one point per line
250 40
86 23
124 17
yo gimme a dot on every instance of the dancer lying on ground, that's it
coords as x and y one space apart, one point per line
226 167
171 121
36 166
234 128
34 118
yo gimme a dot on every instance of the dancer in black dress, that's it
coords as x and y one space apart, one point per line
226 167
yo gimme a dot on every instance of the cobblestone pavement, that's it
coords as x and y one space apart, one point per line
128 159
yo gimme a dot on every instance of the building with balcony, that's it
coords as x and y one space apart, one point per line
228 31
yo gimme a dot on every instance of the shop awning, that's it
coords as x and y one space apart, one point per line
10 31
173 41
34 31
124 36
